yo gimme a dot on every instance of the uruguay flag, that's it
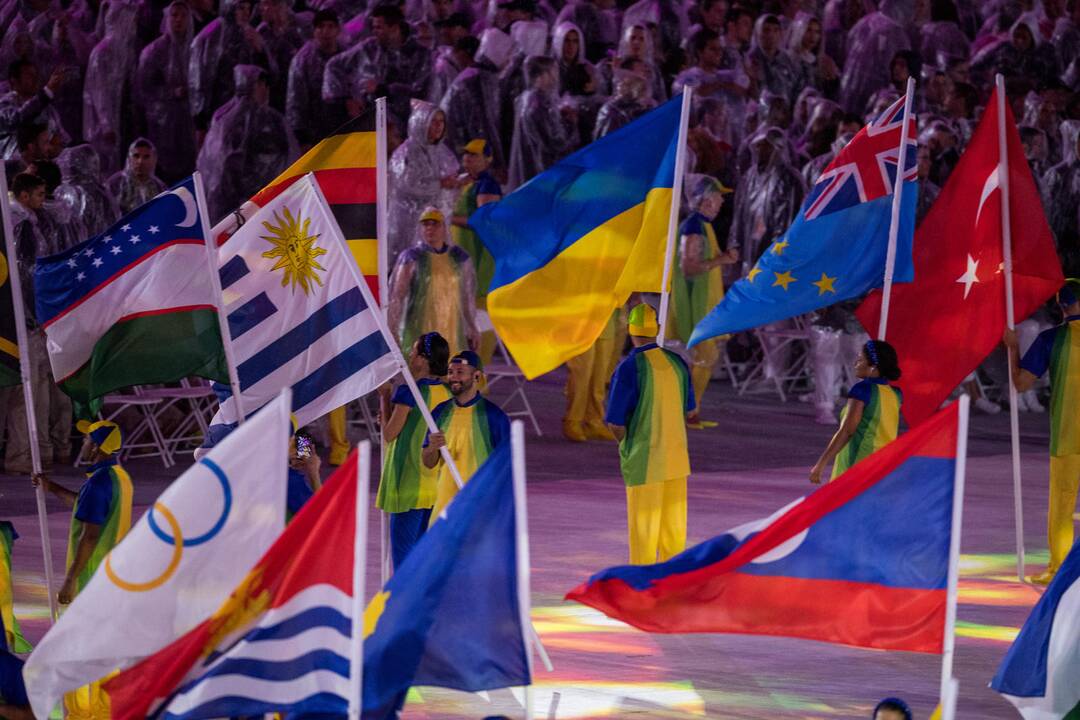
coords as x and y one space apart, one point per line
837 245
1040 674
862 561
300 314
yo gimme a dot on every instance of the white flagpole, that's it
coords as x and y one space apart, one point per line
894 223
673 218
1010 322
382 227
521 530
947 681
28 391
219 300
399 359
356 646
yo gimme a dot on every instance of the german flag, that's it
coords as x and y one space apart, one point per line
344 164
9 344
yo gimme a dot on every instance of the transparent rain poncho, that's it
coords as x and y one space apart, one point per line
871 45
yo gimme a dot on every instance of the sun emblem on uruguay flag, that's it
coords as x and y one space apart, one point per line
295 250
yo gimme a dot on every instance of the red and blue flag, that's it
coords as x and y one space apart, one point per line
862 561
837 246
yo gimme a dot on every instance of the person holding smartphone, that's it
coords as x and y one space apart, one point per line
304 479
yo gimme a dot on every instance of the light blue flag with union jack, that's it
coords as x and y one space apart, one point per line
837 245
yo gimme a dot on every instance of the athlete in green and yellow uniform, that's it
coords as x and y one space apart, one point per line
433 289
12 633
871 418
470 427
1057 350
647 407
697 285
101 517
407 488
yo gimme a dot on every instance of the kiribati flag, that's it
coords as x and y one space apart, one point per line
863 561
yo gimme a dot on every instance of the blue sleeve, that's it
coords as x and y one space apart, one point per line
436 415
95 497
498 425
488 186
692 225
861 391
623 394
1037 359
12 689
402 396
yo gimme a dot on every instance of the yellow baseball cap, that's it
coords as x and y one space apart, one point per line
643 321
478 146
103 433
432 214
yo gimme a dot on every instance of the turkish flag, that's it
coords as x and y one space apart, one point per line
949 319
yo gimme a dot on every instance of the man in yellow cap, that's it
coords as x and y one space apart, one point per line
101 510
698 283
101 517
647 407
433 289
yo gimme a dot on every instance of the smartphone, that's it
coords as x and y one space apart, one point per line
304 446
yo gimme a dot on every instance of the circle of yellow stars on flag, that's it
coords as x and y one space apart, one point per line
295 249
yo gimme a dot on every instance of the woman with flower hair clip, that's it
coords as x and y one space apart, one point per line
871 418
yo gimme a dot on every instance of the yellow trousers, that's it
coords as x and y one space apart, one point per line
656 520
703 357
1064 482
339 443
586 382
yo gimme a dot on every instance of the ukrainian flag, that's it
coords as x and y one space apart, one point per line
571 244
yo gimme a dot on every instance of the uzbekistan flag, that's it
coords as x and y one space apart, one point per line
571 244
133 305
279 643
863 561
344 163
1040 674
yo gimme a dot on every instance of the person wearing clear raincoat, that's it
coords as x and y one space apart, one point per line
771 65
471 102
568 49
599 23
433 287
871 45
90 208
541 136
308 116
227 42
807 49
530 39
161 86
1061 187
423 172
107 91
626 104
248 144
282 40
137 183
636 44
767 198
29 102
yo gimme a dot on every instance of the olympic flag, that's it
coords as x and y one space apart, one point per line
178 563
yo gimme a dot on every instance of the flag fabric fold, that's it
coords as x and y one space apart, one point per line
450 615
959 287
826 567
176 565
1039 672
299 314
571 244
132 305
837 245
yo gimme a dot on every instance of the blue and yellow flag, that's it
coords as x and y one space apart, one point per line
571 244
10 635
452 615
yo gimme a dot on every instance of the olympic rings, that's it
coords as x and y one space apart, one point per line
174 562
209 534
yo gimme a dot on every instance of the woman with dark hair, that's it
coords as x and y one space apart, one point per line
871 418
407 488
